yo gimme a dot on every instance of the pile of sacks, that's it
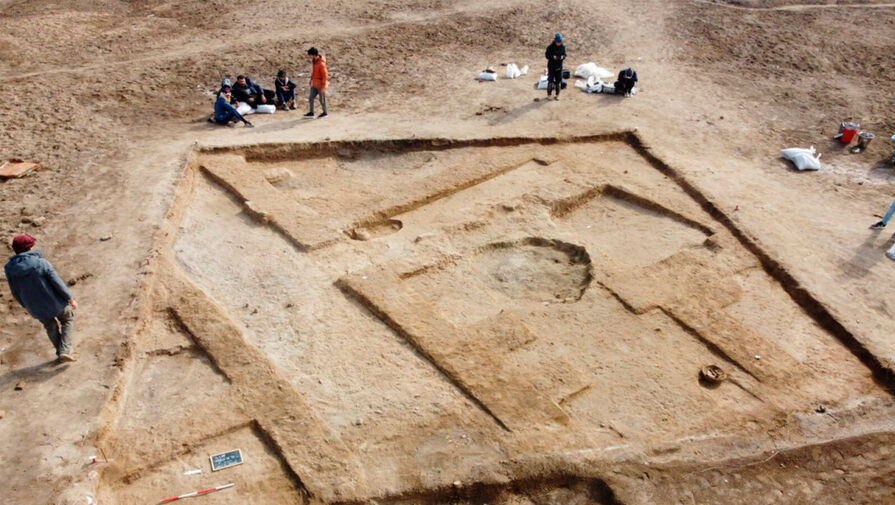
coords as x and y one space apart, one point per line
513 72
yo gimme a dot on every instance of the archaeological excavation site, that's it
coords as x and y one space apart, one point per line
490 252
512 320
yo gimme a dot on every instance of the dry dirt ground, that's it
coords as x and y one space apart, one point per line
448 291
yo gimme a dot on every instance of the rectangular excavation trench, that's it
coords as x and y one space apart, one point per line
283 280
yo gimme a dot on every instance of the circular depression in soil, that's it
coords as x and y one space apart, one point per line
537 269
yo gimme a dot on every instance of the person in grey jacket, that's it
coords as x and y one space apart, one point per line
37 287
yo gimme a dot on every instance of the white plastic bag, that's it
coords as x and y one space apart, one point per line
542 82
523 70
512 71
487 76
803 159
591 69
266 109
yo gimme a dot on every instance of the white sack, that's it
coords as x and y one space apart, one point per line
803 159
487 76
512 71
266 109
591 69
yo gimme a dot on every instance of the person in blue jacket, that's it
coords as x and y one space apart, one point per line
37 287
556 55
224 111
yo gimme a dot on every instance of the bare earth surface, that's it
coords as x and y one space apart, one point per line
449 291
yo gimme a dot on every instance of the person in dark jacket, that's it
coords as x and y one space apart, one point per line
37 287
246 91
625 83
285 90
224 111
556 55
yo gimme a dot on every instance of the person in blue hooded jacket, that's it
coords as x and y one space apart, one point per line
37 287
224 111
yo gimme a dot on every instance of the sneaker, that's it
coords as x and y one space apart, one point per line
66 358
309 115
878 226
284 107
321 116
249 125
291 106
556 98
211 120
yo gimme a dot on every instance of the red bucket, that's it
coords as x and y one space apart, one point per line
849 130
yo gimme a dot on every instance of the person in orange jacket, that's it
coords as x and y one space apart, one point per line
319 81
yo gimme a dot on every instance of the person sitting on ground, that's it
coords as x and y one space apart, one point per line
319 82
246 91
285 90
625 83
224 111
556 55
37 287
882 224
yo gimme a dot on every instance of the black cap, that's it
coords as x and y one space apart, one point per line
313 51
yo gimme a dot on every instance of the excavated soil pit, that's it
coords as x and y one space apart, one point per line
528 309
536 269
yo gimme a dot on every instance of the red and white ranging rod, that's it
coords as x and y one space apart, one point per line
196 493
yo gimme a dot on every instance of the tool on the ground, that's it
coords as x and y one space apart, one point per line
847 131
200 492
864 139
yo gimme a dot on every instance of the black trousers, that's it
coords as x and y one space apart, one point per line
554 80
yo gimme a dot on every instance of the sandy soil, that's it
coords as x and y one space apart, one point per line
209 323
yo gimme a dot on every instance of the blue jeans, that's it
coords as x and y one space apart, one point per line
286 95
889 213
228 116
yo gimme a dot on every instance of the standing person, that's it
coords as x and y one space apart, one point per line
37 287
625 83
224 112
285 90
882 224
319 81
556 54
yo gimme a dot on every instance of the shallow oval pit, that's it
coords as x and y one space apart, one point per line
375 230
534 268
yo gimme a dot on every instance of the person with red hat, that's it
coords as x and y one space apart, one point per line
37 287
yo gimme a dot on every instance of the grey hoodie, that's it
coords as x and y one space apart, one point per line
36 285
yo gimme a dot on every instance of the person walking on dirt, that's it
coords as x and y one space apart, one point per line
882 224
556 55
37 287
224 111
319 82
285 90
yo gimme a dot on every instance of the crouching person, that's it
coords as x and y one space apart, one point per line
625 83
285 91
224 111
